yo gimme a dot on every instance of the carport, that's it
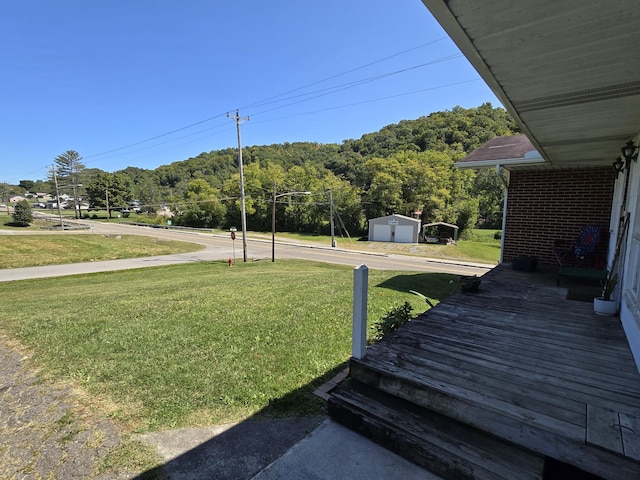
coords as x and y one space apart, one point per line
435 232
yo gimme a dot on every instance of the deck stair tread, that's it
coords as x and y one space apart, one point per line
535 431
613 431
444 446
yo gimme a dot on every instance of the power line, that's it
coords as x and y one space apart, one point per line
352 104
339 88
260 103
268 100
156 137
388 97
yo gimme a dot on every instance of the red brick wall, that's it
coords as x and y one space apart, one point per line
554 204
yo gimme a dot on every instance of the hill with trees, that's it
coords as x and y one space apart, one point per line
403 168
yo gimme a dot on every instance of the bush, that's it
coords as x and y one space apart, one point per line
497 235
22 215
393 319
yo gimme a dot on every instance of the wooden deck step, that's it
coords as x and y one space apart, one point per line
539 433
613 431
441 445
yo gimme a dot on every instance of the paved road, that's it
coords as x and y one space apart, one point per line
221 247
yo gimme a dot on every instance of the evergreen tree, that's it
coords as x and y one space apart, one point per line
22 215
69 169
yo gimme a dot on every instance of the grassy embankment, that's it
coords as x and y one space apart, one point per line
38 250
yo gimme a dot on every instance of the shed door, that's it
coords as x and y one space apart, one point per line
382 233
404 234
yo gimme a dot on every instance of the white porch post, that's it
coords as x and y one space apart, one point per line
360 288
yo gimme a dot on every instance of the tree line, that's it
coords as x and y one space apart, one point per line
404 168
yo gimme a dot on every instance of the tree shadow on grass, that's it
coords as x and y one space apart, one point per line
437 286
15 225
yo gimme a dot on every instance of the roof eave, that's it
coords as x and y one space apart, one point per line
440 10
505 162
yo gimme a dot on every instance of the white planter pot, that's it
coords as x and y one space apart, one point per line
605 307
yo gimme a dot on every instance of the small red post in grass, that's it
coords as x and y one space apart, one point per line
230 261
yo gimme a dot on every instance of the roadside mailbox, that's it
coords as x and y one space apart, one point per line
233 231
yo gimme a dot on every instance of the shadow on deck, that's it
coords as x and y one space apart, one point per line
512 381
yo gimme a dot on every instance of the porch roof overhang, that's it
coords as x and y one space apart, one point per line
515 151
567 71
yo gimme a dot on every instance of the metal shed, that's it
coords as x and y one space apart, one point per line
394 228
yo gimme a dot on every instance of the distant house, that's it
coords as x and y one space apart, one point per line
395 229
16 198
52 204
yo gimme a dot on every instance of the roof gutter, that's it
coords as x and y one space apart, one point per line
504 162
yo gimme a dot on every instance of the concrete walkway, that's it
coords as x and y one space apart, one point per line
284 449
334 452
26 273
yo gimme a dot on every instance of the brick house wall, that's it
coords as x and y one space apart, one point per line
545 205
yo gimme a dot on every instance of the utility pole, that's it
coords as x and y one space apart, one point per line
333 241
106 197
238 119
2 199
55 181
273 224
74 186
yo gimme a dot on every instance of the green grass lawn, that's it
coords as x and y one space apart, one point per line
481 247
201 344
37 250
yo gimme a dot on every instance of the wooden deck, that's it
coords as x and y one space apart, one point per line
517 362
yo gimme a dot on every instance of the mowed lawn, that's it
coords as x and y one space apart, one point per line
201 344
57 249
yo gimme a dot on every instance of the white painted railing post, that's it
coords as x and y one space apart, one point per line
360 288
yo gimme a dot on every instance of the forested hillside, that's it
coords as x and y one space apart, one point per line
403 168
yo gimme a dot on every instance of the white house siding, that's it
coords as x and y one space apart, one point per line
630 283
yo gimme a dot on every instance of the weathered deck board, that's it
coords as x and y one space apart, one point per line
520 361
603 429
442 445
520 347
630 428
526 359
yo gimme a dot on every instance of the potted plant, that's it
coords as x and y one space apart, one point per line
603 305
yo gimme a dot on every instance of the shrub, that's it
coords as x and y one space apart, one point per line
22 215
497 235
393 319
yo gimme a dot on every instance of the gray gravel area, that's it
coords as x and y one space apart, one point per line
45 431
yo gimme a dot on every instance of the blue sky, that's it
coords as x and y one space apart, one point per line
148 82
